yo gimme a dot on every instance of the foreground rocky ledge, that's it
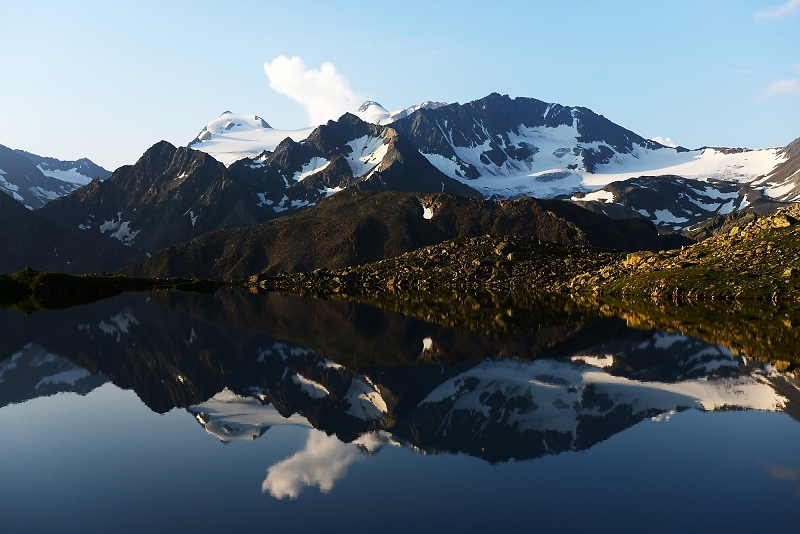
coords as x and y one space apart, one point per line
758 261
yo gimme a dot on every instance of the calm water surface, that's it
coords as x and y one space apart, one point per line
164 412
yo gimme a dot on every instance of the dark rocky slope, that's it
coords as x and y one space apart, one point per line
354 228
26 239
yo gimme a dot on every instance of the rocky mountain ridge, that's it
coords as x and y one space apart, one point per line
35 180
78 172
354 228
509 147
174 194
673 203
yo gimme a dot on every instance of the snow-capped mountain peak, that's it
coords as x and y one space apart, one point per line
373 112
232 137
232 122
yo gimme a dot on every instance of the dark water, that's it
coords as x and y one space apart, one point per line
177 412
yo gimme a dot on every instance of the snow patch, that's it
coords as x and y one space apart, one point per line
43 193
278 208
602 361
367 154
328 191
10 364
666 216
365 401
779 191
312 167
445 165
119 229
119 324
309 387
8 185
69 377
600 195
192 216
264 201
71 176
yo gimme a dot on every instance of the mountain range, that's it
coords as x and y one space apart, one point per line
507 148
35 180
239 172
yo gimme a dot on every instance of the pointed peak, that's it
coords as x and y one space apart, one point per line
371 105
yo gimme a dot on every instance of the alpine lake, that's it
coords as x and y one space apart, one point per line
169 411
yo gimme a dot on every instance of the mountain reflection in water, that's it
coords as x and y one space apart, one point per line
242 363
273 405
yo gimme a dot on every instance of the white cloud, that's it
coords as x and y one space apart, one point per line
780 86
324 93
778 11
666 141
324 460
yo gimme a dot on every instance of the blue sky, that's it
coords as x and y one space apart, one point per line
107 79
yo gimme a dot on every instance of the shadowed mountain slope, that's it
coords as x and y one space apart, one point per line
29 240
354 228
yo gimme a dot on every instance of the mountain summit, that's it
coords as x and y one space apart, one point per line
232 137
